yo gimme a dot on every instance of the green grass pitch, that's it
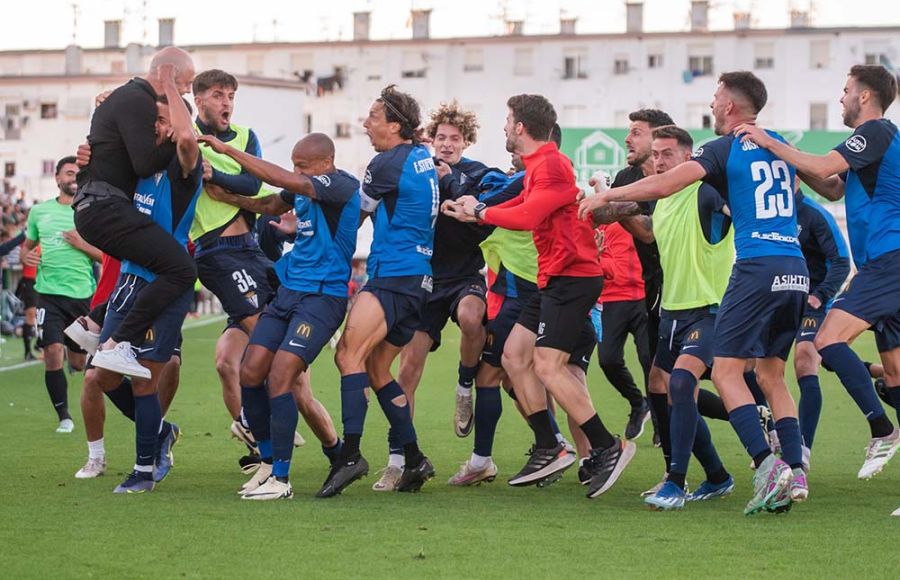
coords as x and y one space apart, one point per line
195 526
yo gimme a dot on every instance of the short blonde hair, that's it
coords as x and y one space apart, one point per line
452 114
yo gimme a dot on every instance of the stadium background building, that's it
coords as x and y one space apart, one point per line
594 80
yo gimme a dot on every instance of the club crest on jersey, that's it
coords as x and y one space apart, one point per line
368 177
856 143
304 330
324 179
252 298
698 152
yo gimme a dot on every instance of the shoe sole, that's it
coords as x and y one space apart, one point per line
94 476
624 460
558 465
238 433
144 373
661 507
488 479
82 338
268 496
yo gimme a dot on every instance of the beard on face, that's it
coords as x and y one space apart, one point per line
851 113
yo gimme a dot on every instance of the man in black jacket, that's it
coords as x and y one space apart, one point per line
123 149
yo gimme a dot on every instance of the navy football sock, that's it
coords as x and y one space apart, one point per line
123 398
856 380
283 425
401 422
788 429
660 404
147 417
711 406
394 448
810 407
333 453
255 404
467 376
488 408
706 454
683 419
755 390
354 403
553 425
745 421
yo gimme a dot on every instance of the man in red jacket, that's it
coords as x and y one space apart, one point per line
624 313
570 279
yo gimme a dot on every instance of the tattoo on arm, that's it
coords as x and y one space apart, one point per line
615 211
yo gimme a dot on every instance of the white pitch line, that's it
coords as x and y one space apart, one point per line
187 326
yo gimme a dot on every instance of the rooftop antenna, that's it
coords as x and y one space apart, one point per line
75 11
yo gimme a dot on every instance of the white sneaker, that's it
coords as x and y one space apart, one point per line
259 478
390 477
93 468
896 512
78 332
299 441
242 434
121 360
66 426
806 454
271 489
878 453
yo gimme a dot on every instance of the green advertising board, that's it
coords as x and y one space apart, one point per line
594 149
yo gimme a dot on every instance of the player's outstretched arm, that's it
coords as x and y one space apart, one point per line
818 166
269 204
652 187
261 169
182 128
831 188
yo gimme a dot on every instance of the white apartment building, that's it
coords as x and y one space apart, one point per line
594 80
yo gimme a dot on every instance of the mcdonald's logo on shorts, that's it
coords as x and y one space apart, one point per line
304 329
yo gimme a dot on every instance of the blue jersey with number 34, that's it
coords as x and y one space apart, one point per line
759 189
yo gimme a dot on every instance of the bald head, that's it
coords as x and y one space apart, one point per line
178 59
315 146
314 154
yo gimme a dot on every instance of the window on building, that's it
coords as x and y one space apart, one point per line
874 58
523 62
764 55
413 66
698 116
573 115
700 65
308 122
818 116
48 168
9 169
48 110
819 54
342 130
255 65
655 60
473 60
620 66
301 62
575 64
875 52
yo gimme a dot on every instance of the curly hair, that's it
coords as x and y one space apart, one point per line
452 114
401 108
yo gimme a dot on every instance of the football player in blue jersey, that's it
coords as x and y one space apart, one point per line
828 261
400 191
865 169
169 198
310 303
761 310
